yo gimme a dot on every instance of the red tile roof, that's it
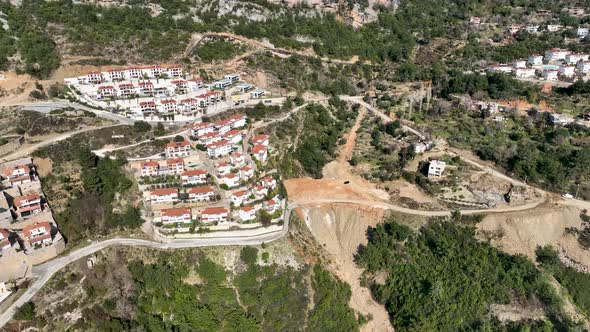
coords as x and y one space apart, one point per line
4 233
218 144
201 190
149 163
40 238
174 161
260 138
202 125
28 229
259 149
247 208
240 193
232 133
20 178
18 200
209 135
194 172
214 210
176 212
8 171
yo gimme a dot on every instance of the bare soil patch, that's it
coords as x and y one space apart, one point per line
340 229
333 186
522 232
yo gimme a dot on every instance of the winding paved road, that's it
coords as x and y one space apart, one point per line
48 106
45 271
26 151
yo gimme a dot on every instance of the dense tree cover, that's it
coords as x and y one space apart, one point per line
38 53
187 291
386 39
580 87
443 279
318 145
90 211
522 47
218 50
133 30
577 283
529 147
495 86
302 74
331 299
25 312
260 287
7 48
137 32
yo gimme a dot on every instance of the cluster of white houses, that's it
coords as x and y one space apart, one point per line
221 136
35 235
244 198
556 64
131 73
221 139
207 215
25 218
155 90
579 31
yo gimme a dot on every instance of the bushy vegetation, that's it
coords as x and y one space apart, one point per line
529 147
380 145
494 86
580 87
523 46
302 74
90 210
92 30
443 279
577 283
218 50
318 145
186 291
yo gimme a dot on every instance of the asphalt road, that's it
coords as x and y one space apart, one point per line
45 271
26 151
48 106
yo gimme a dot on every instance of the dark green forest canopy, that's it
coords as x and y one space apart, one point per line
443 279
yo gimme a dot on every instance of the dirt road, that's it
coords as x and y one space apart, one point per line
359 100
345 153
26 151
102 152
197 38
